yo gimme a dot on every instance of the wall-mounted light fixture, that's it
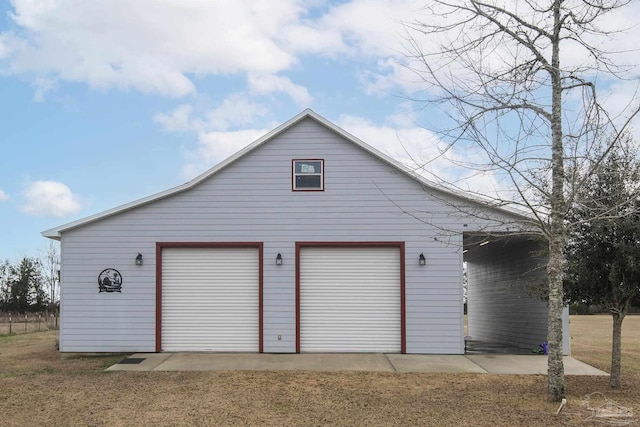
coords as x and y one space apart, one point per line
422 260
139 259
278 259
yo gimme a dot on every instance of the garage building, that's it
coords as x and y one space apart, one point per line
307 240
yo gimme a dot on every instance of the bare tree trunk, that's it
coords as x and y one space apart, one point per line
557 228
555 364
616 348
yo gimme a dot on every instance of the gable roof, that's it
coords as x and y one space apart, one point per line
56 233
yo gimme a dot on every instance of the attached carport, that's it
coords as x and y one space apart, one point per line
505 279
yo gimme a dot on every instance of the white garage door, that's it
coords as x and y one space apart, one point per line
210 299
350 299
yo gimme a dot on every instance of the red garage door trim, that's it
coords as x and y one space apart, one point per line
161 245
399 245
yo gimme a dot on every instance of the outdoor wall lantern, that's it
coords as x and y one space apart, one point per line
422 260
278 259
139 259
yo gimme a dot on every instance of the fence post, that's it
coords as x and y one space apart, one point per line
39 316
25 323
9 324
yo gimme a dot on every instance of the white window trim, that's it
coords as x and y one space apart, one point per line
294 174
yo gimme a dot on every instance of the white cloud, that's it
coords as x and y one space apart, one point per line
4 45
159 47
3 196
314 38
148 45
620 99
236 110
42 86
213 147
50 198
163 46
178 120
264 84
370 27
391 76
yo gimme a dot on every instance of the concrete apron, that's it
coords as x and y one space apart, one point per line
370 362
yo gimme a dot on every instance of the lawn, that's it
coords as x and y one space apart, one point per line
37 387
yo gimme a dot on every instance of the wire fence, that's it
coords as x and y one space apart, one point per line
25 323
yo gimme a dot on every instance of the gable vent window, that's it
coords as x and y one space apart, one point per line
308 175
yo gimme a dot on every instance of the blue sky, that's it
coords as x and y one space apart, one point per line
104 103
98 109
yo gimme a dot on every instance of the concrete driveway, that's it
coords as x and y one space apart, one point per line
372 362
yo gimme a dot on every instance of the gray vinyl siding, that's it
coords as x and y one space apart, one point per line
251 200
502 306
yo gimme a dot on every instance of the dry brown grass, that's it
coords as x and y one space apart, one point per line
37 387
591 342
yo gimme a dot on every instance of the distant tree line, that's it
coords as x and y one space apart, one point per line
30 284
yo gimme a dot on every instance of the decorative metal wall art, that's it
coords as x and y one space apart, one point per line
110 280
